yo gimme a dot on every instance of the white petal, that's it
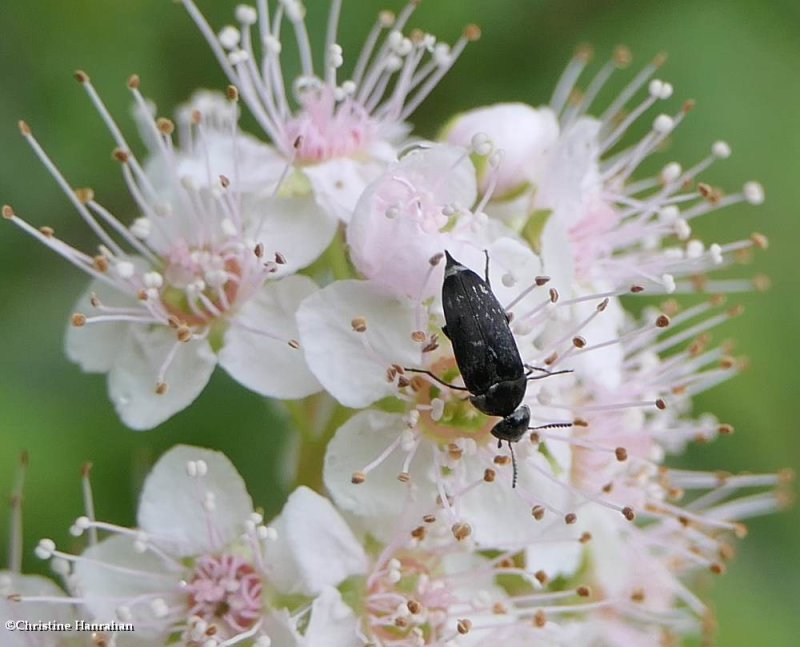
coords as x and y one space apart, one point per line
265 365
352 365
603 366
132 380
172 502
113 574
339 183
572 172
524 134
333 623
32 585
282 630
94 347
381 500
399 224
501 516
315 547
297 227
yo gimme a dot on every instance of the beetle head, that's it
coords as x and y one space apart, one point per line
513 426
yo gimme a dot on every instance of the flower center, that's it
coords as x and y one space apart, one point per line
406 605
326 128
200 284
447 414
225 588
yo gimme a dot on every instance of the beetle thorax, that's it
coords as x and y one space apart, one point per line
502 398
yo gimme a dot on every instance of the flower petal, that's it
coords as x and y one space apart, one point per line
339 183
264 364
352 365
382 499
94 347
10 611
526 136
112 574
333 623
297 227
315 548
132 380
174 505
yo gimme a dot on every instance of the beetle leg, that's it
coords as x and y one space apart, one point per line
486 269
438 379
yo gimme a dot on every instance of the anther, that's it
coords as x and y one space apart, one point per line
539 619
24 128
121 155
435 259
418 336
48 232
81 76
84 195
461 530
541 577
661 404
628 513
463 626
637 595
622 57
472 32
134 81
78 319
583 591
404 477
429 518
100 263
165 126
579 342
161 388
359 324
585 538
621 453
232 93
358 478
8 212
489 475
414 606
662 321
636 289
293 343
537 512
280 259
258 250
759 240
541 280
570 518
584 53
184 333
553 295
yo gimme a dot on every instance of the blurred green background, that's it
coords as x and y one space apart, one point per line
739 58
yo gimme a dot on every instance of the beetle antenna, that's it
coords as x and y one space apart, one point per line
513 465
553 425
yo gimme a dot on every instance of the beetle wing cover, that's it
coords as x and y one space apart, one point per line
484 346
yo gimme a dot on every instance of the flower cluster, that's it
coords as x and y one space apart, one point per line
577 532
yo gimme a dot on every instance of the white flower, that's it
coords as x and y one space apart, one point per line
582 193
203 565
197 278
338 133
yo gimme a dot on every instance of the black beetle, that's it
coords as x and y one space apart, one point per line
486 353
